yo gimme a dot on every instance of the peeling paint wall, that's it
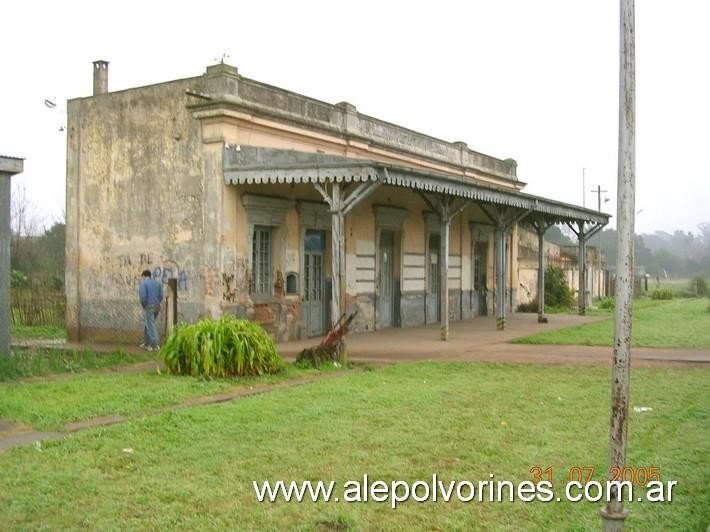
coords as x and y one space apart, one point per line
136 174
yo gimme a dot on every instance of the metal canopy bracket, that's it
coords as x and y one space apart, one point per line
340 204
541 225
504 218
446 214
583 235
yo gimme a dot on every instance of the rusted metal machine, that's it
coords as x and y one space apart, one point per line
329 348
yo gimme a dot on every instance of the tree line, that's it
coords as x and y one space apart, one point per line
662 254
36 252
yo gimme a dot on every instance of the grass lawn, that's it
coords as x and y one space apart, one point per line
50 402
38 332
682 323
37 362
193 469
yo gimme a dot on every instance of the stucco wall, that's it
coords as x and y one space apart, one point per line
564 258
136 175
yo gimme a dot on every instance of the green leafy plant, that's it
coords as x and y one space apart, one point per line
557 292
698 286
530 306
221 348
19 279
662 293
608 303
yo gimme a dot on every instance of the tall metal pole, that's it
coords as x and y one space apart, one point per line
500 276
582 259
337 238
614 513
598 192
444 271
541 272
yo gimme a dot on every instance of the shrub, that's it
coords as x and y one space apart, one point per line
221 348
530 306
662 293
18 279
698 287
608 303
557 293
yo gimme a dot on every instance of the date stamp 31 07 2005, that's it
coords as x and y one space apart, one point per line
619 485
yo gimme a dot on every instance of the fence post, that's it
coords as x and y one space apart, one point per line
172 287
9 166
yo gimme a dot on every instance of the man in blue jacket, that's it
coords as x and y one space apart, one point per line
150 293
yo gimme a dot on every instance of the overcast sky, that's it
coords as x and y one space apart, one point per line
533 80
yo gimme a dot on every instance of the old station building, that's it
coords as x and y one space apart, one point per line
248 199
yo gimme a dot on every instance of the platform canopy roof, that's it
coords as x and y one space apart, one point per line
256 165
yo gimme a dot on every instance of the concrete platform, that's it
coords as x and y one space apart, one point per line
478 340
469 341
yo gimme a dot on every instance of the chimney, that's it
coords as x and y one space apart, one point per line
100 77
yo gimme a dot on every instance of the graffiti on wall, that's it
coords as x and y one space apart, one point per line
124 270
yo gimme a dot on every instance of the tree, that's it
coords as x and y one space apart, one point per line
51 251
557 292
24 227
36 253
555 235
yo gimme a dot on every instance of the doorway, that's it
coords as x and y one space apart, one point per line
480 288
386 294
313 285
433 300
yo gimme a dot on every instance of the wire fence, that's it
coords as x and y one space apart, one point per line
39 314
34 308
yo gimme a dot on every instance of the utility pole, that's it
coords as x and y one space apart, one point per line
599 193
584 188
614 513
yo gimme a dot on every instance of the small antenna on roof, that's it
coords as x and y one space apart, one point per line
223 58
